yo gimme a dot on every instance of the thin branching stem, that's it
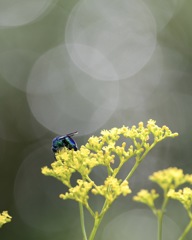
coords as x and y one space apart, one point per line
139 160
160 216
187 229
82 221
98 219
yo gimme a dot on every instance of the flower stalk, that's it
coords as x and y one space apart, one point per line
82 221
169 180
104 151
186 231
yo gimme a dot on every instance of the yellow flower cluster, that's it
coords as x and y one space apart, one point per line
80 192
140 136
103 150
184 196
146 197
112 188
4 218
170 178
60 171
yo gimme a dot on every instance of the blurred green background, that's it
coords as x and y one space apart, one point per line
87 65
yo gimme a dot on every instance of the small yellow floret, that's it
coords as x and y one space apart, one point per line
146 197
184 196
4 218
112 188
169 178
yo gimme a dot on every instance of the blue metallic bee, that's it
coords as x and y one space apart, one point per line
64 141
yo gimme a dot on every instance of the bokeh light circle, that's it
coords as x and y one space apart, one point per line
20 62
37 196
21 12
139 224
135 90
105 34
63 98
163 10
17 122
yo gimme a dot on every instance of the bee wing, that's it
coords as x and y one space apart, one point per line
72 134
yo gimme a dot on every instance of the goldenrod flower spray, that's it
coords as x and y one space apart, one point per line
168 180
104 150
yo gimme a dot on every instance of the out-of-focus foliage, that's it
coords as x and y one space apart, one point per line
69 65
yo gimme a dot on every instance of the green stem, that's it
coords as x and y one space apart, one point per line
139 160
82 221
98 219
97 222
132 170
159 231
187 229
160 215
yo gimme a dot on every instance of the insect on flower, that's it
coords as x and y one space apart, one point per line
67 141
